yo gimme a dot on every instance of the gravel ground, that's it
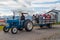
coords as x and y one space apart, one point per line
35 34
55 36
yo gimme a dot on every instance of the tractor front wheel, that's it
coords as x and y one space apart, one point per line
5 29
14 30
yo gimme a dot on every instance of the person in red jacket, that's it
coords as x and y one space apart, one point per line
44 16
48 17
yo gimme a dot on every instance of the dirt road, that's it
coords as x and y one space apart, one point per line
36 34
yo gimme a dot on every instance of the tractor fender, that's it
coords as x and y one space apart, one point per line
26 21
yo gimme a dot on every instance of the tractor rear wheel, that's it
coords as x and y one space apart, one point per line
14 30
28 25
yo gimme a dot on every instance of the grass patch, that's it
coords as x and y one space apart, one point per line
1 27
57 23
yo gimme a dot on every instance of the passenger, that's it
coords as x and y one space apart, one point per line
44 18
48 17
22 17
40 19
37 18
34 19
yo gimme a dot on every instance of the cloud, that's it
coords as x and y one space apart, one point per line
44 1
47 2
37 5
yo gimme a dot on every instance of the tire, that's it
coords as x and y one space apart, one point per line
49 25
28 25
14 30
5 29
41 26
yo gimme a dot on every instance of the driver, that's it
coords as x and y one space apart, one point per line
22 17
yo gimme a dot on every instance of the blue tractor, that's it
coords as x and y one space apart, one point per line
17 24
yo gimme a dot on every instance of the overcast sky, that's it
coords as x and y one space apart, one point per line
37 5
